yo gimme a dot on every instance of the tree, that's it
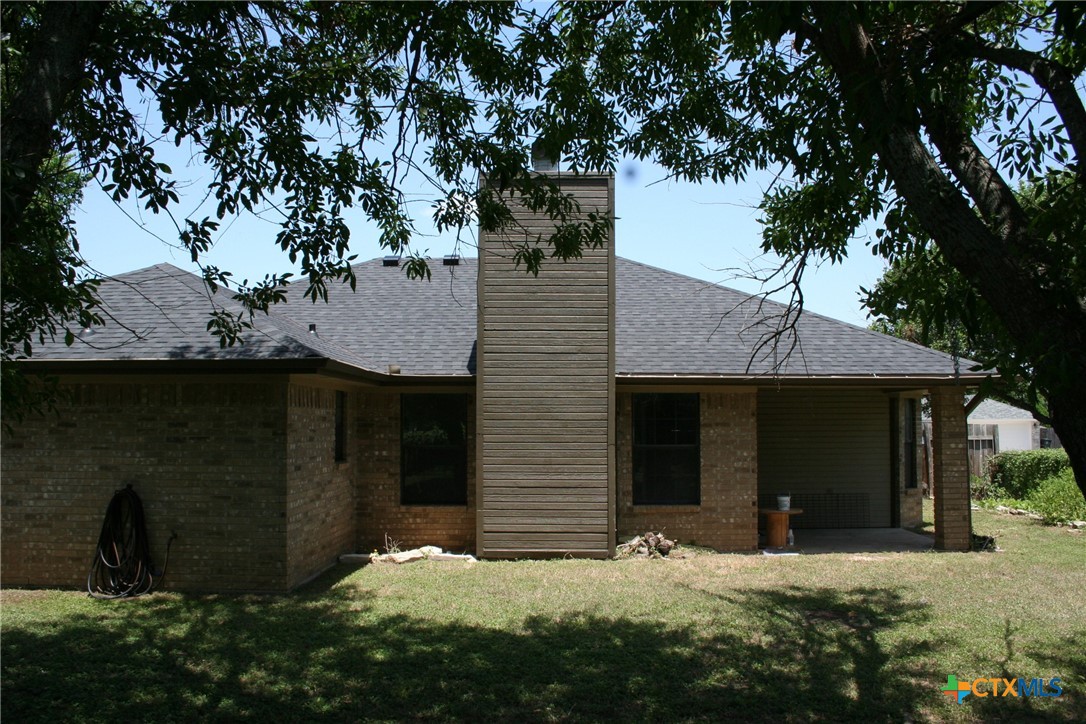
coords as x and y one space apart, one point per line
944 313
915 115
922 299
305 109
884 112
44 290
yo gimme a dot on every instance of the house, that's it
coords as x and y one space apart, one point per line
486 410
1003 427
995 427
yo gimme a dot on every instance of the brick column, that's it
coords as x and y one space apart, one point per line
953 520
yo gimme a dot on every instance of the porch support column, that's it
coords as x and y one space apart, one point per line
953 519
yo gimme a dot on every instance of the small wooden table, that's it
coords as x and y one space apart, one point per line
777 525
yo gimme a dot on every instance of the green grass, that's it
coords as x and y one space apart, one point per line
838 637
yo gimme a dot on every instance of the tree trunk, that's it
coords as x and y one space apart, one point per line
55 65
1047 326
1069 421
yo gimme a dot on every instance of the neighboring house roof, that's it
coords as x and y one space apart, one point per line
993 410
667 325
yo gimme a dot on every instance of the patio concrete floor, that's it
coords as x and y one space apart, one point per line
860 540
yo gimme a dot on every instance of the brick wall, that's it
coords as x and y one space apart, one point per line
950 463
727 518
376 431
207 459
320 492
910 500
912 508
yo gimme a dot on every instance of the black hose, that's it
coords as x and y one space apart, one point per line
122 564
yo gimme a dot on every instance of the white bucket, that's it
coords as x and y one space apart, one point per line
784 502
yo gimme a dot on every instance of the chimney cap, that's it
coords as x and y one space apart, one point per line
541 159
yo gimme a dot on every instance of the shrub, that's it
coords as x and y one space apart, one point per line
1058 499
982 488
1020 472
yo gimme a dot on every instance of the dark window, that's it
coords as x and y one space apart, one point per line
909 439
341 427
666 450
433 450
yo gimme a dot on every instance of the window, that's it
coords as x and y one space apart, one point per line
666 450
341 427
433 449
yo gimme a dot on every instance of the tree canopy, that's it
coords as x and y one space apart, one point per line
922 117
922 299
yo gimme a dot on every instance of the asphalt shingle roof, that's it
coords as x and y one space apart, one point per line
672 324
425 327
161 313
996 410
666 325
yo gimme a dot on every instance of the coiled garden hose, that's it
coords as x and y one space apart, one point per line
122 564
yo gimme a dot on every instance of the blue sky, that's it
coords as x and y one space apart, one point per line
708 231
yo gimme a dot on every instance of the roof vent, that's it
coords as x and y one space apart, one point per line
312 328
451 260
390 261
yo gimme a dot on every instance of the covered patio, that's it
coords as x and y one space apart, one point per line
861 540
848 462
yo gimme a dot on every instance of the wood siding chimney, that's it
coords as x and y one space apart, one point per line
546 391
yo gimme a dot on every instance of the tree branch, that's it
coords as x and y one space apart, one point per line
1002 276
995 199
1055 79
971 12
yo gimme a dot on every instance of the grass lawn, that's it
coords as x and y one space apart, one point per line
834 637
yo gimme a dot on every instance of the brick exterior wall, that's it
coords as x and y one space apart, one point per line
207 459
727 518
320 490
912 508
910 500
953 516
377 491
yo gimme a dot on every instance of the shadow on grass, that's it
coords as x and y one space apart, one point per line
325 654
1070 659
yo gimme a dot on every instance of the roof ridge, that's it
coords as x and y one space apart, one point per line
160 266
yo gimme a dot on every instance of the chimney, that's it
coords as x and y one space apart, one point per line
545 389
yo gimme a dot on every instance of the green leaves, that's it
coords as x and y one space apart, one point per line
305 111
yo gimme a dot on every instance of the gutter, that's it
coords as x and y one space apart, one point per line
300 366
305 365
806 380
341 370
